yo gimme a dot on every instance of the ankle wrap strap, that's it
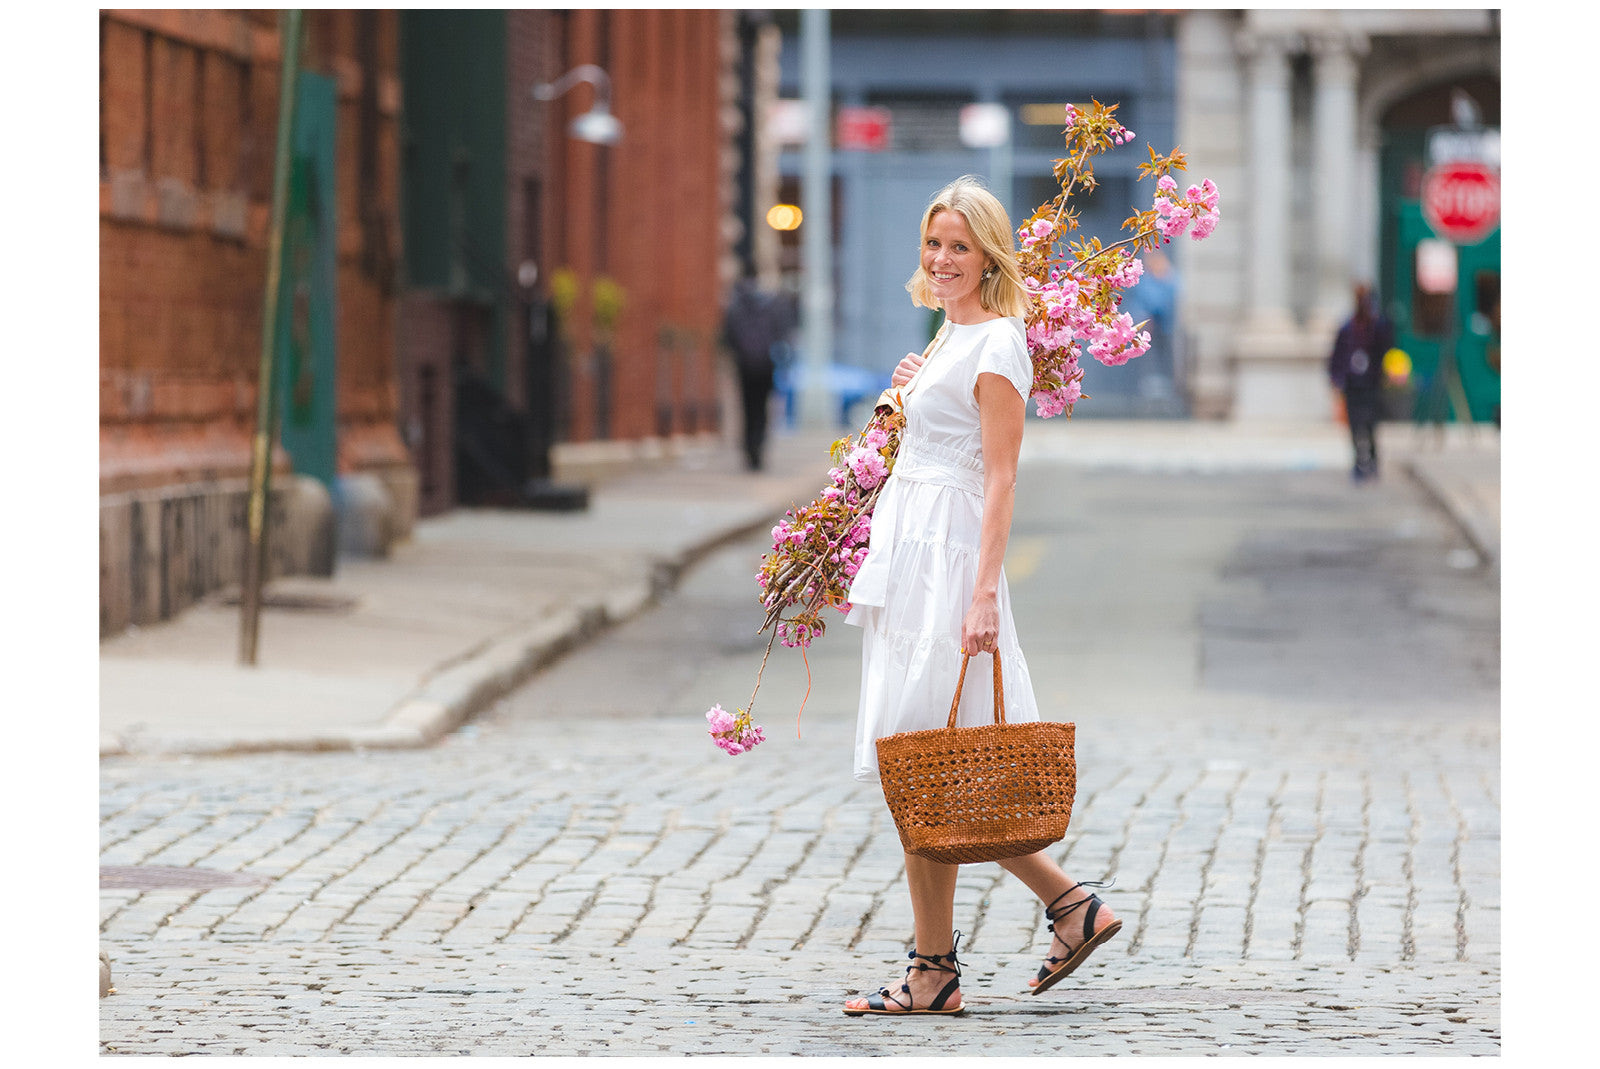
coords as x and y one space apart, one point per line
937 961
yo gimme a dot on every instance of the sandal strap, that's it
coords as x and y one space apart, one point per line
1092 902
875 1001
952 988
937 961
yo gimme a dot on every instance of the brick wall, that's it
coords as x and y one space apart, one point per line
533 55
650 212
188 123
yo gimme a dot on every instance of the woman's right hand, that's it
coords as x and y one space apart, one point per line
905 369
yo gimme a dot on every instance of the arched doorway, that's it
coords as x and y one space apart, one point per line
1450 332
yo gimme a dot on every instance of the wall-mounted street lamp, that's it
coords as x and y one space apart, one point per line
597 125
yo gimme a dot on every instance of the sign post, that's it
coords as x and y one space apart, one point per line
1461 204
816 233
255 557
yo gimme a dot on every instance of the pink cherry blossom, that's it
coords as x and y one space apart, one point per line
1049 404
734 734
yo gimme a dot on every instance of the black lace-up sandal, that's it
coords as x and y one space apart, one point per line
879 1003
1055 969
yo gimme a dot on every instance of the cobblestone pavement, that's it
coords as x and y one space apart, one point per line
1306 854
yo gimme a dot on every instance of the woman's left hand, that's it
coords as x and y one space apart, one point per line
980 630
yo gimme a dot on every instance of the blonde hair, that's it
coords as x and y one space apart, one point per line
1002 291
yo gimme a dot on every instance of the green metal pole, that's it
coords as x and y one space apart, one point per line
255 561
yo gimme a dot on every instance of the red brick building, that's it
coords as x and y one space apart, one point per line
189 103
649 219
438 200
652 212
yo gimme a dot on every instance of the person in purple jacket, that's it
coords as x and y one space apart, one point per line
1355 367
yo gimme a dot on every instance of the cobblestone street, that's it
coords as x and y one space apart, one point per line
1286 698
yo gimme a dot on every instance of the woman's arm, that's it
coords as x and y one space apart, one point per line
1001 411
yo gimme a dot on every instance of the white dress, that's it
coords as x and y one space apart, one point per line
915 586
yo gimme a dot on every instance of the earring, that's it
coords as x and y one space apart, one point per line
988 272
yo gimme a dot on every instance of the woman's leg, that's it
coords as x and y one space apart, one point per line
933 897
1044 878
933 903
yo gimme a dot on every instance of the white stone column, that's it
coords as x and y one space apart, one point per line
1267 108
1211 128
1334 157
1277 374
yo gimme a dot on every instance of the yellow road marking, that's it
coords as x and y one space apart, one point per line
1023 557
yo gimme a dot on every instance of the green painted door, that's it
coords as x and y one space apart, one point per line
1430 327
1434 327
305 359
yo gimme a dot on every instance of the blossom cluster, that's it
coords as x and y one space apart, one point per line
1199 204
1075 298
736 734
817 550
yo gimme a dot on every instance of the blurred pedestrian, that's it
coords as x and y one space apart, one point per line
755 321
1355 367
932 589
1154 302
1155 298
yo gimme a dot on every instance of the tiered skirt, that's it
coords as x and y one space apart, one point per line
922 566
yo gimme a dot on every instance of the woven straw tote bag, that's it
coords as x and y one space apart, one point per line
963 795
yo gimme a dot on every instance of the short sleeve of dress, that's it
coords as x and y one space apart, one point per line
1005 353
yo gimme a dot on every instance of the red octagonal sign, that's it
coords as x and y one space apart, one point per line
1461 201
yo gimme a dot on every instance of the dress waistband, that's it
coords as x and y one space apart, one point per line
921 460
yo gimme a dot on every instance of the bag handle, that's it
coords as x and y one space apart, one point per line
999 691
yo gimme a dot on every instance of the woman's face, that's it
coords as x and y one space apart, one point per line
953 262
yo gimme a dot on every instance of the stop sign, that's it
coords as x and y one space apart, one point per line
1461 201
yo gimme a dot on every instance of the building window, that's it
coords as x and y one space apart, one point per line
930 123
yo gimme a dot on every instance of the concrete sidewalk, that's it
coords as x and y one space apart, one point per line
398 652
1460 470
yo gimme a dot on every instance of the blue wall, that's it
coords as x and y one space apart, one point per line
881 195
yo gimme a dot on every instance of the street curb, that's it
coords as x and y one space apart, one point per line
463 688
462 691
1480 541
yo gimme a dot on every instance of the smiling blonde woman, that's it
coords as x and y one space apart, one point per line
932 587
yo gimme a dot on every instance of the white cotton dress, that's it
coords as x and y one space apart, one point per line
915 586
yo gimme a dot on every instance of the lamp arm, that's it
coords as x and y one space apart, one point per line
587 72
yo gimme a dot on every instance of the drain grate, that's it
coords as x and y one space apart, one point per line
164 877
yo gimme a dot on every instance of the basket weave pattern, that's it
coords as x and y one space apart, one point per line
964 795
